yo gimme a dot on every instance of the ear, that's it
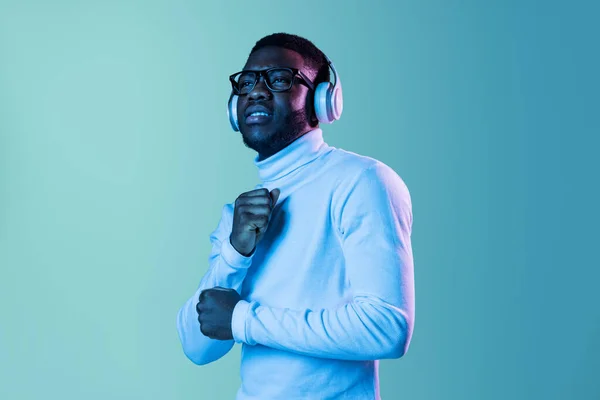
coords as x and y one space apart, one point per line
314 121
310 108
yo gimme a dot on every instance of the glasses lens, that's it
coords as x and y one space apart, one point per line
280 79
245 82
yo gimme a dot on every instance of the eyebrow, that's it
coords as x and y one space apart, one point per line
270 66
261 69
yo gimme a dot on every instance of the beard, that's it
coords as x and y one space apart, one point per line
293 127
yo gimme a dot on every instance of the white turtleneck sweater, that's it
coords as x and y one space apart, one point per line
329 289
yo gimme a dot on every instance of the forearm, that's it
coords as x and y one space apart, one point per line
228 270
364 329
198 348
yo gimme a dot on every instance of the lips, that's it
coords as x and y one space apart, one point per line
258 114
257 108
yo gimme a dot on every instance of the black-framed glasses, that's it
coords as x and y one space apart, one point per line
277 79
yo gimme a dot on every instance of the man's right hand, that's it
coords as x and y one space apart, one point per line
251 217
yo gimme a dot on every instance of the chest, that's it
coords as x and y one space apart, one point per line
299 263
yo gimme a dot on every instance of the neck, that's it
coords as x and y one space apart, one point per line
299 152
270 152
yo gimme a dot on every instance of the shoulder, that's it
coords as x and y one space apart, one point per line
348 163
368 186
358 173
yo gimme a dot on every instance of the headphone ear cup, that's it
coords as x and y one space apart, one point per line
336 102
322 102
232 112
328 102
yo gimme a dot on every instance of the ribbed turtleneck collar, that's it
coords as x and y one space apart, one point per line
298 153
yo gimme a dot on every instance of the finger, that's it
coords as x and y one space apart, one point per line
255 210
259 222
253 200
274 196
207 331
256 192
203 330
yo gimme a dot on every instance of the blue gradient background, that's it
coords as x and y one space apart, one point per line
116 157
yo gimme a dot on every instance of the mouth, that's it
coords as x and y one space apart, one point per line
258 115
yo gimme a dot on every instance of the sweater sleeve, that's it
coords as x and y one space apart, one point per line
227 268
374 219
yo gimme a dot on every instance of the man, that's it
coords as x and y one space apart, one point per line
312 271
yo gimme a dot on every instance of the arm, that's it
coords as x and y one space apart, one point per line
227 268
375 221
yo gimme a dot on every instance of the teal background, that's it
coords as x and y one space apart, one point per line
116 157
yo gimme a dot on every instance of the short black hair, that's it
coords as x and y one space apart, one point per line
314 57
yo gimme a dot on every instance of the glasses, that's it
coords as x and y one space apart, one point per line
277 80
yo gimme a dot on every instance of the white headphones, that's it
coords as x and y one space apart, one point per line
328 101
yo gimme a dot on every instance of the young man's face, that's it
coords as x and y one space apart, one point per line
289 112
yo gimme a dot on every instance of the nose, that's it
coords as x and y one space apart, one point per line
260 90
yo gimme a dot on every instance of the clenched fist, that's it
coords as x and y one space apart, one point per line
215 311
251 217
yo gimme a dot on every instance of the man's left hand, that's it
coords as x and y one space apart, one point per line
215 310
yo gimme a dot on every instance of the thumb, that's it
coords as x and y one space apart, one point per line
274 196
